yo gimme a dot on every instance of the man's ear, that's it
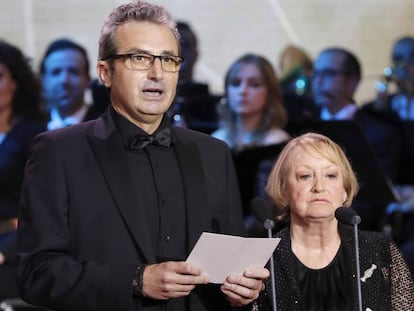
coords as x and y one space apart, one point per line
104 73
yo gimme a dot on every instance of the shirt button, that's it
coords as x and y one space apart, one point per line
167 238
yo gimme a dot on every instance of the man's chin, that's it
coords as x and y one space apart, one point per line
322 101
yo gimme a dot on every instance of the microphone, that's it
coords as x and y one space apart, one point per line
262 210
348 216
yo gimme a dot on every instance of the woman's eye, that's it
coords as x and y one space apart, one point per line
234 82
304 177
255 84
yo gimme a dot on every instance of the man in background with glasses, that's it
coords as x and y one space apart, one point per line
111 208
395 100
336 76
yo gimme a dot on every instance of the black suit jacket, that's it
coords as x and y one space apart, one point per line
82 228
384 139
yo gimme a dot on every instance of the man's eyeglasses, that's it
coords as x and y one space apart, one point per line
328 73
144 61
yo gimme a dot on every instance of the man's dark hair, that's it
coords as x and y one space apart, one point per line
64 44
351 63
184 26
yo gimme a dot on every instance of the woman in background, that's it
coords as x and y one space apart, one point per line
20 120
252 113
314 262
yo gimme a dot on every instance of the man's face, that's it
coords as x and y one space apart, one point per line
65 80
142 96
403 61
331 85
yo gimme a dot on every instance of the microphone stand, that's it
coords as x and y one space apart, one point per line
269 224
349 217
356 221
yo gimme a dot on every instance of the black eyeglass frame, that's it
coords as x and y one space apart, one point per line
174 58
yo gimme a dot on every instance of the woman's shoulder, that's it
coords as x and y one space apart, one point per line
220 133
275 136
25 129
370 241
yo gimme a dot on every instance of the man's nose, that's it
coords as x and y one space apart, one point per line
156 72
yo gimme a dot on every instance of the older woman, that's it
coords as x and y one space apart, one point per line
252 113
314 262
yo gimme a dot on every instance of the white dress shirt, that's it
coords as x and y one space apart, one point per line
56 121
346 113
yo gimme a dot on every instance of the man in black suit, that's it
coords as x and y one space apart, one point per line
336 76
64 72
112 207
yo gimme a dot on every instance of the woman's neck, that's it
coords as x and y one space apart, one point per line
315 245
248 123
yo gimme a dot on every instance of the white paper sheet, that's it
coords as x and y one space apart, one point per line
220 255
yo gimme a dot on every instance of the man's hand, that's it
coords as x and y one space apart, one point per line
171 280
244 289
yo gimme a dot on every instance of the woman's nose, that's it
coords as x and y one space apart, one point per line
318 186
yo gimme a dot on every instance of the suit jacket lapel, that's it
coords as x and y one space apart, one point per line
195 188
110 153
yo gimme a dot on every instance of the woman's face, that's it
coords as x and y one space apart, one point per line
7 87
315 187
246 91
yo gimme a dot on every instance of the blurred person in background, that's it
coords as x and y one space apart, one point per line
195 106
296 68
336 76
251 113
252 117
64 72
395 103
20 120
401 74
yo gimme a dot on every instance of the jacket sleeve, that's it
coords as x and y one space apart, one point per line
402 287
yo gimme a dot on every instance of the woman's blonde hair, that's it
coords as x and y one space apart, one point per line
314 143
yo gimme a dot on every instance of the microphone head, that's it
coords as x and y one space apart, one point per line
261 209
347 216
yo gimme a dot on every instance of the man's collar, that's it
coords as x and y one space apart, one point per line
345 113
56 121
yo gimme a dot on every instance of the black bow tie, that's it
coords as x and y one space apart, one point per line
161 138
